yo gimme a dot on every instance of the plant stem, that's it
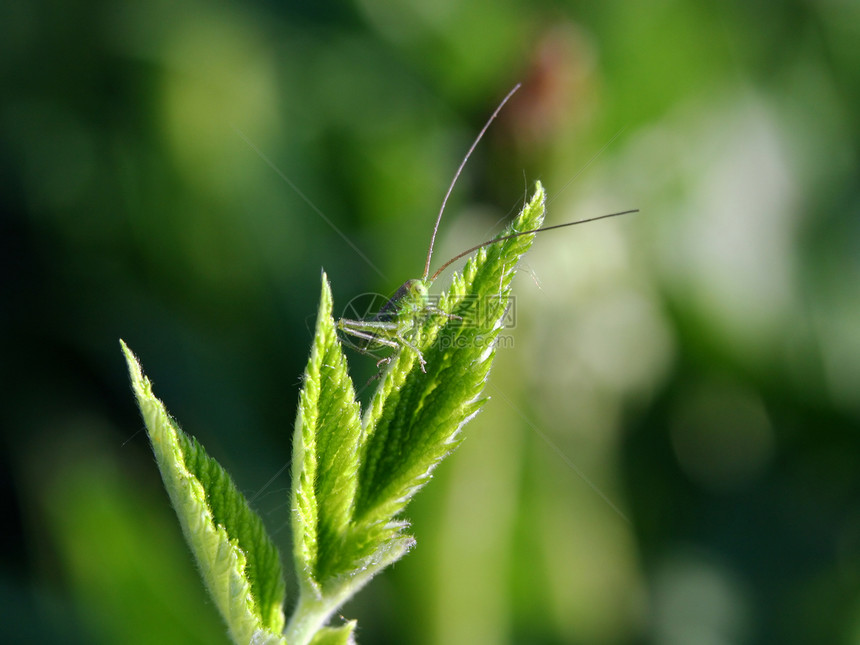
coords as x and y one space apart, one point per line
308 618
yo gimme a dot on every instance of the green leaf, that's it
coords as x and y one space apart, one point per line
342 635
239 563
415 419
333 559
325 457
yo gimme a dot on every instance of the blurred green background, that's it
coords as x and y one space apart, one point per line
672 449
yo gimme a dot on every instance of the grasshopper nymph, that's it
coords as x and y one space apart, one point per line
395 323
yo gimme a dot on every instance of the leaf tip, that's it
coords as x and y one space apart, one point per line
539 196
326 300
135 371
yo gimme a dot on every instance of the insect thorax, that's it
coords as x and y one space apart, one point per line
410 297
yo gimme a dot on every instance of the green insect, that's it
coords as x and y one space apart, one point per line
394 325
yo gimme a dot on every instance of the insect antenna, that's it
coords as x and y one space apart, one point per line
513 235
456 177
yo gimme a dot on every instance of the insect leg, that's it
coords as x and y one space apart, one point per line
349 326
417 351
370 337
440 312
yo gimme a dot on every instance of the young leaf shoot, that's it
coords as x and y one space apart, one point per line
353 471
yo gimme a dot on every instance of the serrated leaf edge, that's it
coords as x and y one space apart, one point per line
221 561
